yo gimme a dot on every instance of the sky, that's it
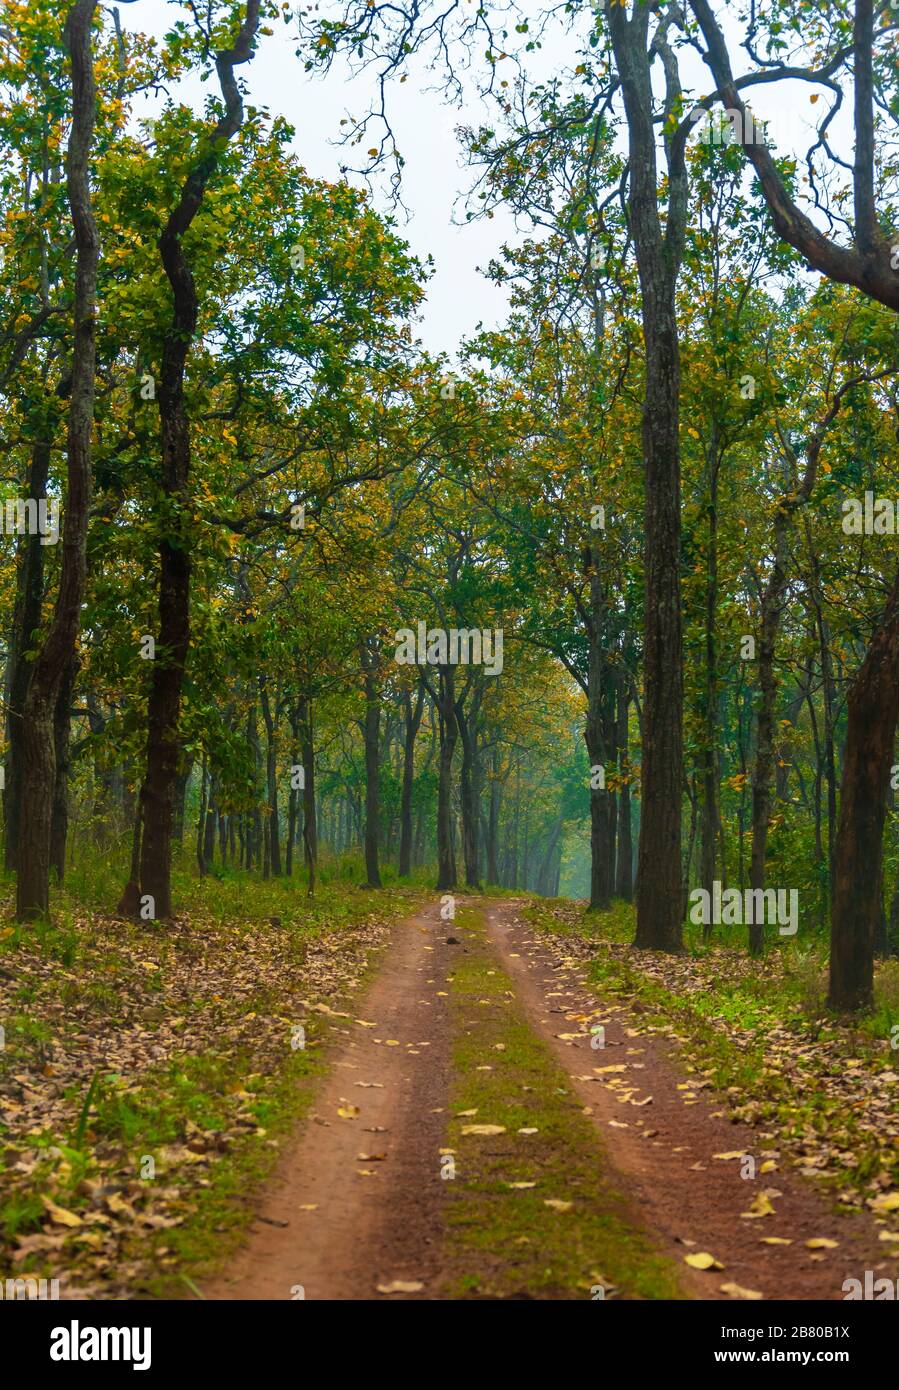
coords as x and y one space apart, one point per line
435 178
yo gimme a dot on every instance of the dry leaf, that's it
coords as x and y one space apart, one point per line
702 1260
59 1214
760 1207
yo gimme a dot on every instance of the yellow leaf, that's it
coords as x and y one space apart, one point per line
702 1260
735 1291
760 1207
821 1243
557 1204
119 1205
401 1286
483 1129
59 1214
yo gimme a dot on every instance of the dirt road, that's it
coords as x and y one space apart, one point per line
358 1207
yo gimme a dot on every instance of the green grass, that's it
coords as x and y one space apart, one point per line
505 1242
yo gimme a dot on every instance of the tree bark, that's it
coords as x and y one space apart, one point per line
624 887
709 757
310 823
271 778
411 724
446 711
62 727
873 711
26 620
371 724
467 726
492 836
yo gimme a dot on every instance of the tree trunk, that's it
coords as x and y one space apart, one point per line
873 711
58 650
310 824
446 710
466 725
271 778
412 721
62 727
26 620
173 639
292 795
372 762
492 836
624 866
659 253
546 872
763 772
709 755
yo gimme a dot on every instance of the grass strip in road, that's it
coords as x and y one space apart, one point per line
564 1232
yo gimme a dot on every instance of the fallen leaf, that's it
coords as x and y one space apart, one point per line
735 1291
401 1286
702 1260
59 1214
760 1207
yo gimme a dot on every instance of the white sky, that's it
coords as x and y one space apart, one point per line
434 177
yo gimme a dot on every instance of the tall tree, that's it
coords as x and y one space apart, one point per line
659 251
57 652
173 639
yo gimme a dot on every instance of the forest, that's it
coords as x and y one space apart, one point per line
551 669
